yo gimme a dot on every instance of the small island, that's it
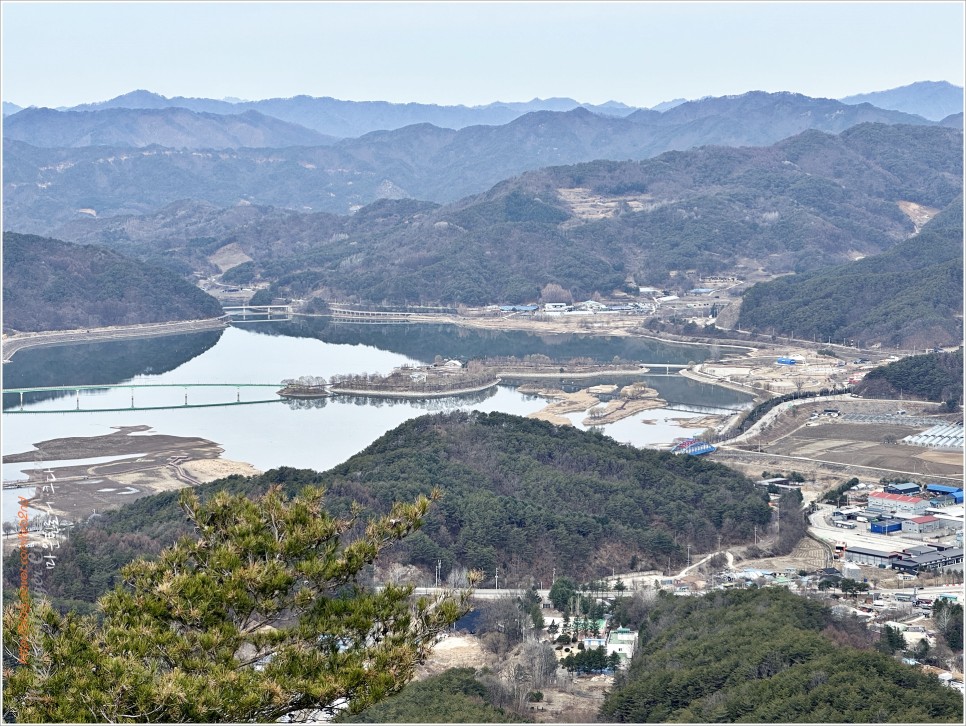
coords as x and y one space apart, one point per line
444 378
304 387
453 378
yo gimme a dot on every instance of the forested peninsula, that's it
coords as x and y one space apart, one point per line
53 285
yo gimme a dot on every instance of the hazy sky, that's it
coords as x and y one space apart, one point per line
641 53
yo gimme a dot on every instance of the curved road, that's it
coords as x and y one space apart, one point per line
19 341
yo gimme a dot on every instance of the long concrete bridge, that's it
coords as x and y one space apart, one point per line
77 389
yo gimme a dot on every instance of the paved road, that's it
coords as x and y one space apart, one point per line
11 344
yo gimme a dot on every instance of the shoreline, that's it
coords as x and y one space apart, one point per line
696 375
413 394
623 327
21 341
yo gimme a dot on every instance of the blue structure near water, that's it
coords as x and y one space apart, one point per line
694 447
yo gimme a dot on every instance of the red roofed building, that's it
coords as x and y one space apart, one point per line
897 503
923 525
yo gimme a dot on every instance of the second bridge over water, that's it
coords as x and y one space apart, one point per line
144 396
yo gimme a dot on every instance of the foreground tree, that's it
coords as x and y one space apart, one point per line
260 617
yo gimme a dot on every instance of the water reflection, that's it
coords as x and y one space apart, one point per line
319 433
435 403
100 363
424 342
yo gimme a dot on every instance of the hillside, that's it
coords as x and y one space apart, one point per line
54 285
909 296
518 494
933 377
171 127
953 121
807 202
765 656
454 696
933 100
44 188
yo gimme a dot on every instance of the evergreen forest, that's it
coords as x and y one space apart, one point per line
768 656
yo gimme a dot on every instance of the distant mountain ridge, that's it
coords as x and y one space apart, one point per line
810 201
934 100
349 119
44 188
170 127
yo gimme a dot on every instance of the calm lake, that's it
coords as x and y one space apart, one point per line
316 434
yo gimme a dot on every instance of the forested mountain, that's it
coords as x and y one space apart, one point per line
54 285
933 100
767 656
519 494
46 187
909 296
807 202
454 696
933 377
171 127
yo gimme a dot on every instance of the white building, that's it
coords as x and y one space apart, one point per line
622 641
897 503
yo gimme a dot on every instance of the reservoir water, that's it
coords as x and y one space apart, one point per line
317 434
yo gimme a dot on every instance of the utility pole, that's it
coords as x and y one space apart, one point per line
439 564
689 555
496 583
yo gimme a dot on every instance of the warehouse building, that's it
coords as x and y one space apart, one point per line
897 503
886 526
945 490
951 559
866 556
923 525
908 489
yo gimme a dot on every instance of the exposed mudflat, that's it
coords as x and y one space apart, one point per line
156 463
